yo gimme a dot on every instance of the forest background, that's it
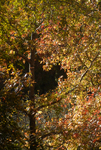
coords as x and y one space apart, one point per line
50 76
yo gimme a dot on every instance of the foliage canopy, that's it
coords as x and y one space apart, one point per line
67 33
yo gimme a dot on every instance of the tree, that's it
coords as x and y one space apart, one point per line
28 28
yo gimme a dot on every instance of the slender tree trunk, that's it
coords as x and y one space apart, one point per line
32 98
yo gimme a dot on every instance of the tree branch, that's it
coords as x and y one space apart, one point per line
87 56
55 101
82 76
81 60
49 134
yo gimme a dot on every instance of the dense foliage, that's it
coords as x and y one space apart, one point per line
63 37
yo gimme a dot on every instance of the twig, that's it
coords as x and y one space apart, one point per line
82 76
88 56
81 60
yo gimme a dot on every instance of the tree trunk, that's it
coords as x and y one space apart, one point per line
32 98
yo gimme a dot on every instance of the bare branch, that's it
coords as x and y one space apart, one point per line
82 76
81 60
87 56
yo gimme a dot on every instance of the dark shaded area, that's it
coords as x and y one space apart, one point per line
47 80
2 79
44 80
